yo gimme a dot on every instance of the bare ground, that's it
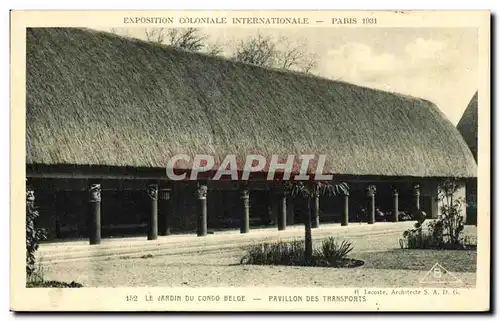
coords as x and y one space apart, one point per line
218 266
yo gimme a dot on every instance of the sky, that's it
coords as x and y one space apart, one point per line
437 64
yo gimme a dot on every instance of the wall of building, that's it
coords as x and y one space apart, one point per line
471 199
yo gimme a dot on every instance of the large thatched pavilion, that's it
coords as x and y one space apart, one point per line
468 127
105 114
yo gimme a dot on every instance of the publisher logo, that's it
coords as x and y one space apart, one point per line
439 275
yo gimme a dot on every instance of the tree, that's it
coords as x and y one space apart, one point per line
295 56
33 234
451 223
259 51
446 231
268 52
191 39
308 190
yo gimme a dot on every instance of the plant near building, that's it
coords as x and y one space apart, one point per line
404 216
446 231
308 190
416 237
277 253
330 253
34 270
33 235
451 223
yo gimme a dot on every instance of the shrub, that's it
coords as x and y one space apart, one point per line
36 275
444 232
329 253
419 240
33 235
450 223
278 253
404 216
332 251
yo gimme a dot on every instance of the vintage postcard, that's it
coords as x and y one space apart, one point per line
250 161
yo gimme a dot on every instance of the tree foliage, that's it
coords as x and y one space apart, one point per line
450 223
307 190
33 235
190 39
266 51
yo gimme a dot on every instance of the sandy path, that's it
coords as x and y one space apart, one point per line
217 269
179 244
197 266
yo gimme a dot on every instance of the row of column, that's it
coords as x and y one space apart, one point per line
161 197
371 191
157 224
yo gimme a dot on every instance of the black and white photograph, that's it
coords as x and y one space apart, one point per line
332 153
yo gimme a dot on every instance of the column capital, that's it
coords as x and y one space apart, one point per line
202 190
30 194
245 194
94 222
94 193
371 190
152 190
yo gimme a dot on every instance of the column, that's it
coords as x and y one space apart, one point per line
245 219
94 212
419 215
345 213
395 194
416 193
164 209
281 199
152 190
371 190
315 211
202 208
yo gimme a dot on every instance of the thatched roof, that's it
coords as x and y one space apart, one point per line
95 98
467 126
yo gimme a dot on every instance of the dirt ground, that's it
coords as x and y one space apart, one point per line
386 265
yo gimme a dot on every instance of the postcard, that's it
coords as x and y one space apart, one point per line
250 160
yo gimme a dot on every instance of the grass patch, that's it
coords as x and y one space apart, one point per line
453 261
425 239
329 254
36 280
53 284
